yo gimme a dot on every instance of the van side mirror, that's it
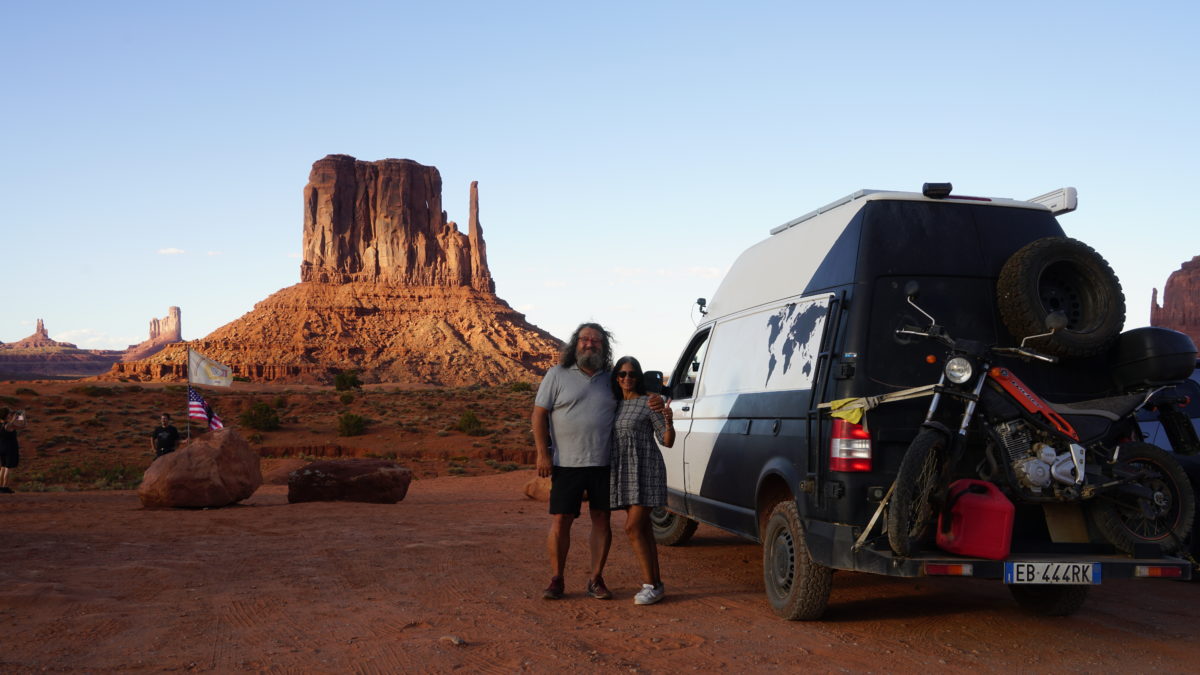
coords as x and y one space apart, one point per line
1056 321
912 289
653 379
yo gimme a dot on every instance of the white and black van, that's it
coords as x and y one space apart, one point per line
810 315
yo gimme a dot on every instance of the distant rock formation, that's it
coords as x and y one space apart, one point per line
163 332
389 288
1180 309
38 356
39 340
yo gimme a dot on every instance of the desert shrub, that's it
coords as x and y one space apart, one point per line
456 471
347 380
350 424
469 424
256 437
501 466
240 378
520 386
280 402
93 390
260 416
346 398
89 474
174 388
25 391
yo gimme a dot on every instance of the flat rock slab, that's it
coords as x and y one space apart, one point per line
377 481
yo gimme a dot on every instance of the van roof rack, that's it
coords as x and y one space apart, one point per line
828 207
1060 201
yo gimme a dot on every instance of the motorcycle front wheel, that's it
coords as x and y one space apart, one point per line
1155 507
911 508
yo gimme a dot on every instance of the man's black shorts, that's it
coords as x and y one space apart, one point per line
10 457
568 483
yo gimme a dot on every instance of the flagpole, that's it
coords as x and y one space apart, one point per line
188 366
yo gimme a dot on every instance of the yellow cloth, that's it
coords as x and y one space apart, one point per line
849 409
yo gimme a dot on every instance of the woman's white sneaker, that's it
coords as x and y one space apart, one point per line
649 594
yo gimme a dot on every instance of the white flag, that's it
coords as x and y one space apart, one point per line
203 370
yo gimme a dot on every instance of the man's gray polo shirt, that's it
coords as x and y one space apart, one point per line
581 415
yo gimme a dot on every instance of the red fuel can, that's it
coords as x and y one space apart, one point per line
979 523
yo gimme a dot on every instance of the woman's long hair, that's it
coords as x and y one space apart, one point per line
639 379
568 357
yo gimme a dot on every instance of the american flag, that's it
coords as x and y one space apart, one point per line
201 412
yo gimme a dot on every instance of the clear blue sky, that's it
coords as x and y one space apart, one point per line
154 153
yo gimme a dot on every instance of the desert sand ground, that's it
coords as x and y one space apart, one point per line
450 579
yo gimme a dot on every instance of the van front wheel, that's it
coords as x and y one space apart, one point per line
670 528
797 587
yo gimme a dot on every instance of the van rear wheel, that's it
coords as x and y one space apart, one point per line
797 587
670 528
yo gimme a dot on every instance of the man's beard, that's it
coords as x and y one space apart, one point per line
590 360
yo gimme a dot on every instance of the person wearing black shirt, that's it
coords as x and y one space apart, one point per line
164 437
10 456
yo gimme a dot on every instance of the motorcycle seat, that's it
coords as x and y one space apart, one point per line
1113 408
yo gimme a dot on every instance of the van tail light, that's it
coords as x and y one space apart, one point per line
849 447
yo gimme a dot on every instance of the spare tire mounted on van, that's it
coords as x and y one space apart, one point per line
1060 274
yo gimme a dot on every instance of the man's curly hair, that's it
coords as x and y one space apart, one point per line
567 357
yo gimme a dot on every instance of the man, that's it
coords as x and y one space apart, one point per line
164 437
572 425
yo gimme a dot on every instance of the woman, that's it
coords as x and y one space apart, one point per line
639 475
9 450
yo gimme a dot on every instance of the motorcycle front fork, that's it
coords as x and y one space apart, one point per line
968 411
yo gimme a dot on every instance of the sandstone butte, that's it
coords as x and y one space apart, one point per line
1180 309
389 287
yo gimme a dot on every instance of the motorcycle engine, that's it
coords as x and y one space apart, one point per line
1036 465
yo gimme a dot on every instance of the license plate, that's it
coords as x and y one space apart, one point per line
1073 573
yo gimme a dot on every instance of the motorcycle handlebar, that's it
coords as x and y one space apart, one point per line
1029 353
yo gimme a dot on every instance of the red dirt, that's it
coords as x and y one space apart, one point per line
451 577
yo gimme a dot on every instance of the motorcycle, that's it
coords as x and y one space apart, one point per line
1035 451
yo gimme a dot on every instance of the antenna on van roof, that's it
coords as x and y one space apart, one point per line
702 303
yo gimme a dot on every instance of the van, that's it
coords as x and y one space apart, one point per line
810 315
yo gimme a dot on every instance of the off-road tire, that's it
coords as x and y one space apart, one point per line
911 509
670 528
1165 519
797 587
1061 274
1049 600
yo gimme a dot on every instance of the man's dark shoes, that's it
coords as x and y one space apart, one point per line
598 590
555 590
6 490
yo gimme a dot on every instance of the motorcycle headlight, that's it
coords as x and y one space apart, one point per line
958 370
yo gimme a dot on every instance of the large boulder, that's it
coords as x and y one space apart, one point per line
538 489
217 469
377 481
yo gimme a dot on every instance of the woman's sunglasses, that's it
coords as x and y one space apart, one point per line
621 374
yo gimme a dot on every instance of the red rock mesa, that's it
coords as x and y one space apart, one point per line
389 287
1180 309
